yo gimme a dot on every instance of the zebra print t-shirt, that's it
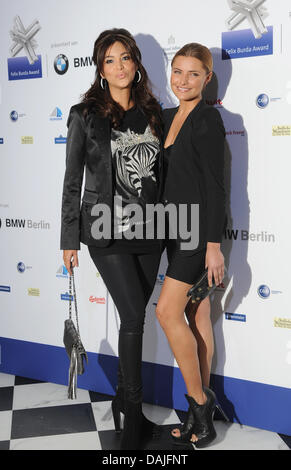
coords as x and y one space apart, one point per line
135 153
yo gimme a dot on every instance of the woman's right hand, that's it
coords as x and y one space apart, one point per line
68 256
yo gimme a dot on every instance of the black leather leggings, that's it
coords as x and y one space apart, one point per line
130 279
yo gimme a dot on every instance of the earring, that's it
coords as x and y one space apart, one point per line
139 76
102 83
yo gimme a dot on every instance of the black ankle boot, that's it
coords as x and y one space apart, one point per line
150 429
186 430
132 437
203 426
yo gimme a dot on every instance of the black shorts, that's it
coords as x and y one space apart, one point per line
184 268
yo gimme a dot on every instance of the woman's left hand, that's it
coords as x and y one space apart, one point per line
214 261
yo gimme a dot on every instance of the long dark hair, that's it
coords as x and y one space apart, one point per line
100 99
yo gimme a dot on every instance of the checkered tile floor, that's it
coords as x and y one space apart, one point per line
37 415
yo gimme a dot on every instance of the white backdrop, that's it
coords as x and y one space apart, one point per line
251 314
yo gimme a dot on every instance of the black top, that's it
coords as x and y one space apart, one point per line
195 173
135 153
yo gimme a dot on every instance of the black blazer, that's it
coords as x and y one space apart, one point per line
88 147
196 170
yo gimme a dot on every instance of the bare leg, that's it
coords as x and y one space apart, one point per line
170 313
200 323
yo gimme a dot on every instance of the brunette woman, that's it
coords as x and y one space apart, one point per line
194 156
114 134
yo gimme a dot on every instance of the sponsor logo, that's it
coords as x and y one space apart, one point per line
97 300
252 11
28 66
60 140
56 115
83 62
240 44
282 323
62 271
160 279
278 131
235 316
218 103
33 291
61 64
26 223
27 139
258 40
67 296
14 116
245 235
21 267
262 101
5 288
1 140
264 291
236 133
171 49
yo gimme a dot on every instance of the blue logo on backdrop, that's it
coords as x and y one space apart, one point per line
14 115
62 271
239 44
262 101
264 291
67 296
56 115
20 69
235 316
61 64
60 140
28 66
5 288
21 267
1 140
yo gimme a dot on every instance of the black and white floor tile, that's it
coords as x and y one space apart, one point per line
37 415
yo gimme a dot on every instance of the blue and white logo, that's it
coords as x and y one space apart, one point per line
264 291
256 41
62 271
262 101
1 140
67 296
5 289
21 267
60 140
235 317
56 115
28 66
14 116
61 64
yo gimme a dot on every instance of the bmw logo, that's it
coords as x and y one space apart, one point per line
264 291
14 116
262 101
21 267
61 64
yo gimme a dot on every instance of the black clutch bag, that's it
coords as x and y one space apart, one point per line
73 344
201 289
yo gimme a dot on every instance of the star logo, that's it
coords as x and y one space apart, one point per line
23 39
253 11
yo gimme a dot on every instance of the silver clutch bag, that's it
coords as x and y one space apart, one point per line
73 344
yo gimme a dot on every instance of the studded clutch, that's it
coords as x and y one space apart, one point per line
201 289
